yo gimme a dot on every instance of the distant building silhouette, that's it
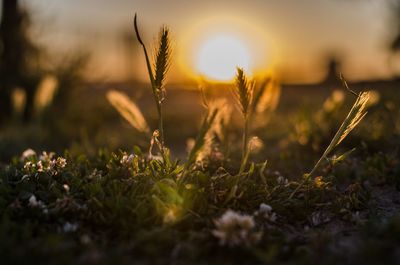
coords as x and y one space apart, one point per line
395 42
332 77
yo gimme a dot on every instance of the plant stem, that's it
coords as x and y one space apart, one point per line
245 150
160 122
309 175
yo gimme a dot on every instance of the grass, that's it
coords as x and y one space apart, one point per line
223 203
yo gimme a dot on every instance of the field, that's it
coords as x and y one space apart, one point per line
246 172
107 206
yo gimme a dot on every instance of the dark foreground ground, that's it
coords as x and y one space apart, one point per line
100 206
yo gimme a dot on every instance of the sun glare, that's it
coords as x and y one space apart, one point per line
219 56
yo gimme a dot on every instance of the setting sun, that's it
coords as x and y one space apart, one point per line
220 55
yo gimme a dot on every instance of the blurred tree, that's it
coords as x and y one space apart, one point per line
395 43
19 59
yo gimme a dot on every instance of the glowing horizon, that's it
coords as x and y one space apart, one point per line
295 48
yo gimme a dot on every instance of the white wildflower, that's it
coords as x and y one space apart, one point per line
46 157
126 160
51 166
39 166
282 181
27 154
29 166
56 164
66 188
32 201
61 162
235 229
265 211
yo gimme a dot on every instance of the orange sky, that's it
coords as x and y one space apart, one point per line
290 36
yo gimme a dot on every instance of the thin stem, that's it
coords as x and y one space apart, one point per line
148 64
160 123
245 147
153 86
308 176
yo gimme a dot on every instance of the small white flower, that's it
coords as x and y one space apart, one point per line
39 166
126 160
32 201
52 165
66 188
27 153
235 229
61 162
265 211
29 166
282 181
46 157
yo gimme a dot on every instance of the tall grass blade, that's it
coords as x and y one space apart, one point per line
157 76
128 110
356 114
243 93
148 64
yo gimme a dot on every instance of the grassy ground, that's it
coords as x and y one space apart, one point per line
121 206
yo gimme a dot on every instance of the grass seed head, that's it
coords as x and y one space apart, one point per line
162 58
243 92
128 110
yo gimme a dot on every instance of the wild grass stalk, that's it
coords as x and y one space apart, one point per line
157 72
356 114
128 110
243 92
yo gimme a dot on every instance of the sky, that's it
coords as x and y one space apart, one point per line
290 37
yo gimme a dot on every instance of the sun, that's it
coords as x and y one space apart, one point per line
218 57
